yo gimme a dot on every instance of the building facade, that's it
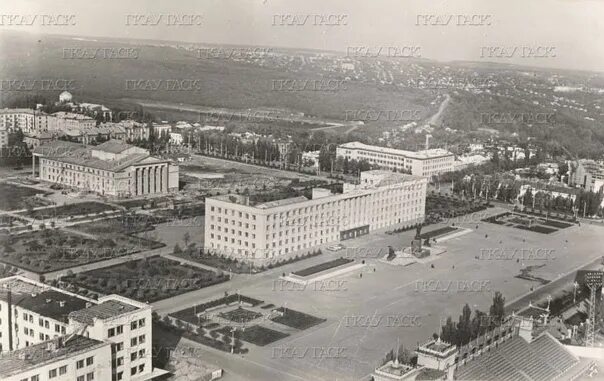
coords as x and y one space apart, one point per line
26 120
63 359
268 231
587 174
35 316
113 168
425 163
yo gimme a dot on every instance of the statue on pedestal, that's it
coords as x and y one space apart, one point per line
416 244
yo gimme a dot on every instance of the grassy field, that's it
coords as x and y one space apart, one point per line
69 210
15 197
147 280
54 249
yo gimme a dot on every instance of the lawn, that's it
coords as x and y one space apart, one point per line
69 210
556 224
17 197
322 267
261 336
241 267
295 319
125 224
437 232
537 229
240 315
520 221
147 280
55 249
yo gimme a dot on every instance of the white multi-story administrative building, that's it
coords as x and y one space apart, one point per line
113 168
52 334
426 163
262 232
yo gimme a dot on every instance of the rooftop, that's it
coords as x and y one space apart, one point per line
78 154
113 146
423 154
31 357
52 304
102 311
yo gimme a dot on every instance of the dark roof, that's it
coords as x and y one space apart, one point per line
48 304
541 360
113 146
105 310
31 357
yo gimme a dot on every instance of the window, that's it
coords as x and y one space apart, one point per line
141 339
141 323
52 373
89 361
80 378
141 368
111 332
62 370
120 375
90 376
119 329
133 341
41 322
35 378
132 371
120 361
80 364
133 356
134 325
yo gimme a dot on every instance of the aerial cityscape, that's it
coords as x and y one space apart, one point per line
318 190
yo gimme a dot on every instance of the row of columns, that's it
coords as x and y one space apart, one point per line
151 179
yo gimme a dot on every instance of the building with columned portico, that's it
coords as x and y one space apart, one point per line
113 168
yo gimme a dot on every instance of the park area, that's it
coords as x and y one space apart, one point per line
527 222
49 249
69 211
17 197
146 280
242 317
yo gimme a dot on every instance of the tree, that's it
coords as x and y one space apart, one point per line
497 310
177 249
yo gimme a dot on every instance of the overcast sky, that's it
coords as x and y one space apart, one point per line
575 28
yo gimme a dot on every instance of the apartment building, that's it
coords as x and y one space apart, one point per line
69 358
113 168
26 120
587 174
263 232
3 136
425 163
35 317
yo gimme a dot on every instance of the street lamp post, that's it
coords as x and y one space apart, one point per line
575 285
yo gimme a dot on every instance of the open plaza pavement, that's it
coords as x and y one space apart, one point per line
367 314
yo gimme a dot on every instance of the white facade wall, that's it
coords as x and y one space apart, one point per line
248 232
100 368
398 159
